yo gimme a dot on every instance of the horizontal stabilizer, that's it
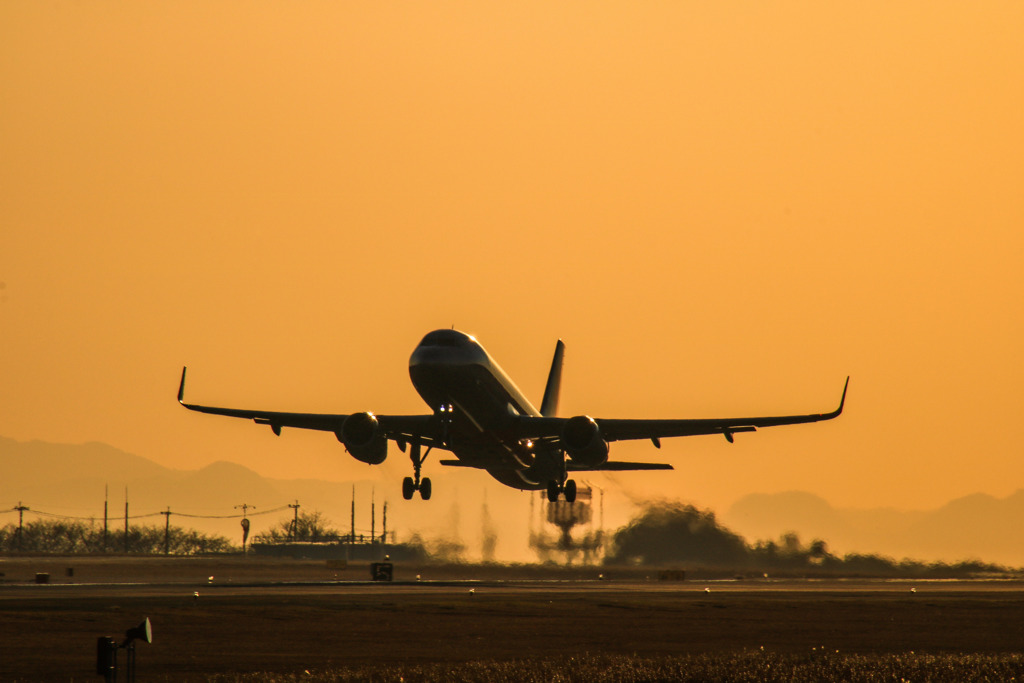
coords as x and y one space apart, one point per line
620 467
461 463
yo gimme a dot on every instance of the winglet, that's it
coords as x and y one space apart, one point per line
842 401
549 405
181 387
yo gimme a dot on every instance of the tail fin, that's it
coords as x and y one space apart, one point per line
549 406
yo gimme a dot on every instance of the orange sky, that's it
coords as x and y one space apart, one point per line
723 209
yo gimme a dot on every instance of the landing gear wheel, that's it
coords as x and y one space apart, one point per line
552 491
570 491
410 485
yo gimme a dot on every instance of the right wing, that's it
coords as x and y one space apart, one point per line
618 430
550 428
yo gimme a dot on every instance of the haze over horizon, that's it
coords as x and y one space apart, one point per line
74 480
722 209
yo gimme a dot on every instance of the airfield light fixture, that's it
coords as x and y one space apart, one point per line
107 647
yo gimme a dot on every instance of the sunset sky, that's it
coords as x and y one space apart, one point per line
722 208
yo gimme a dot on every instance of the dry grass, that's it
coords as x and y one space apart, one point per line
815 666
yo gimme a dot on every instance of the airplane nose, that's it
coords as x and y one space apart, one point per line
430 354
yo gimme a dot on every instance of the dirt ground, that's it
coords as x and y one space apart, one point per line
247 620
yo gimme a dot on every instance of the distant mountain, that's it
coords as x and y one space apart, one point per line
21 465
71 480
978 526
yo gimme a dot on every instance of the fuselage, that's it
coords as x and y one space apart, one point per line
453 374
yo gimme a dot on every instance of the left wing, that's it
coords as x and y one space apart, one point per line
622 430
400 428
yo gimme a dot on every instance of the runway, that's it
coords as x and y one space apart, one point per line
236 624
511 588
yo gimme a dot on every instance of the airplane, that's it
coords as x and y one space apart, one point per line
483 419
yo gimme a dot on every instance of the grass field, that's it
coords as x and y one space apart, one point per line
746 667
277 621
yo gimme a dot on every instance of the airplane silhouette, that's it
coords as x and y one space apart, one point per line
480 416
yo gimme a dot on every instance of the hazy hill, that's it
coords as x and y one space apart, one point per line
25 466
71 480
978 526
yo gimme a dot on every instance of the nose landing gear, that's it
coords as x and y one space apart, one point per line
412 484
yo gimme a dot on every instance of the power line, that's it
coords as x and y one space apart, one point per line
21 509
235 516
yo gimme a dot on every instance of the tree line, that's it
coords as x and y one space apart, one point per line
77 537
674 533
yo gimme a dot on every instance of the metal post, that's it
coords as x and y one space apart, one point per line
295 522
21 517
106 496
130 663
167 531
126 519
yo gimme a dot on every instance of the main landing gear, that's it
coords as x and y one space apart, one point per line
411 485
568 489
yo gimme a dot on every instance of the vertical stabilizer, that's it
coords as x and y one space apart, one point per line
549 406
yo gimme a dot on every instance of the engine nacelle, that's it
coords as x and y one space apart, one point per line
582 441
360 432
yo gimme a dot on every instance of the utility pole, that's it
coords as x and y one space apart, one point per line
106 499
126 519
373 515
384 524
167 531
352 534
21 517
295 521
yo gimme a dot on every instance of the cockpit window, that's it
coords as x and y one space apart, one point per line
444 338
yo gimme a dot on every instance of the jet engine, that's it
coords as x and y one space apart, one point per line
360 432
582 441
